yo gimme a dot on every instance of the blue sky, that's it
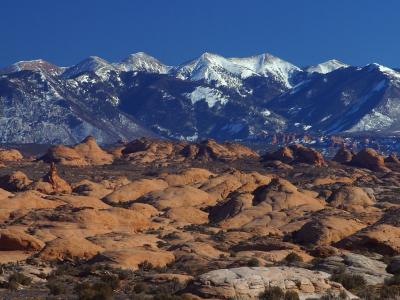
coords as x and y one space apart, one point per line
301 31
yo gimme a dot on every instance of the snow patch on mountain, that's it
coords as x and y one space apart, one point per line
326 67
209 95
373 121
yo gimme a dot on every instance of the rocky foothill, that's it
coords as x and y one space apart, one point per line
158 219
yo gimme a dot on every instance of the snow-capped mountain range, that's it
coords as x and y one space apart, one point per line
208 97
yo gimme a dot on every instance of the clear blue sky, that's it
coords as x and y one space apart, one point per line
301 31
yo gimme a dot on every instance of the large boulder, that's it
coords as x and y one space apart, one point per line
187 215
12 240
394 265
135 189
248 282
392 159
281 194
369 159
10 155
64 155
69 248
188 176
351 198
92 153
15 181
382 237
179 196
133 257
85 153
327 227
343 155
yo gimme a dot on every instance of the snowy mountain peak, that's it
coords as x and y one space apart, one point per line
228 71
95 64
141 61
392 74
326 67
268 65
33 65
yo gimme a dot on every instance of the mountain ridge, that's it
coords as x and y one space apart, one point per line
210 96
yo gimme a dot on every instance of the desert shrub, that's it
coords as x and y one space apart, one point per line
395 280
293 257
390 292
96 291
370 293
254 262
65 269
145 266
291 295
272 293
17 279
111 280
352 282
56 287
331 295
140 287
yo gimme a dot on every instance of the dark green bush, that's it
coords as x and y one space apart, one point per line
395 280
293 257
111 280
145 266
140 287
55 287
350 281
390 292
291 295
96 291
272 293
17 279
254 262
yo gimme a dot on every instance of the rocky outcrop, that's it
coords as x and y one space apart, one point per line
343 156
133 257
248 282
296 154
135 189
327 227
10 155
392 159
373 270
281 194
188 176
15 181
11 240
381 237
211 150
85 153
179 196
65 156
52 183
92 153
69 248
351 198
394 265
147 150
369 159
